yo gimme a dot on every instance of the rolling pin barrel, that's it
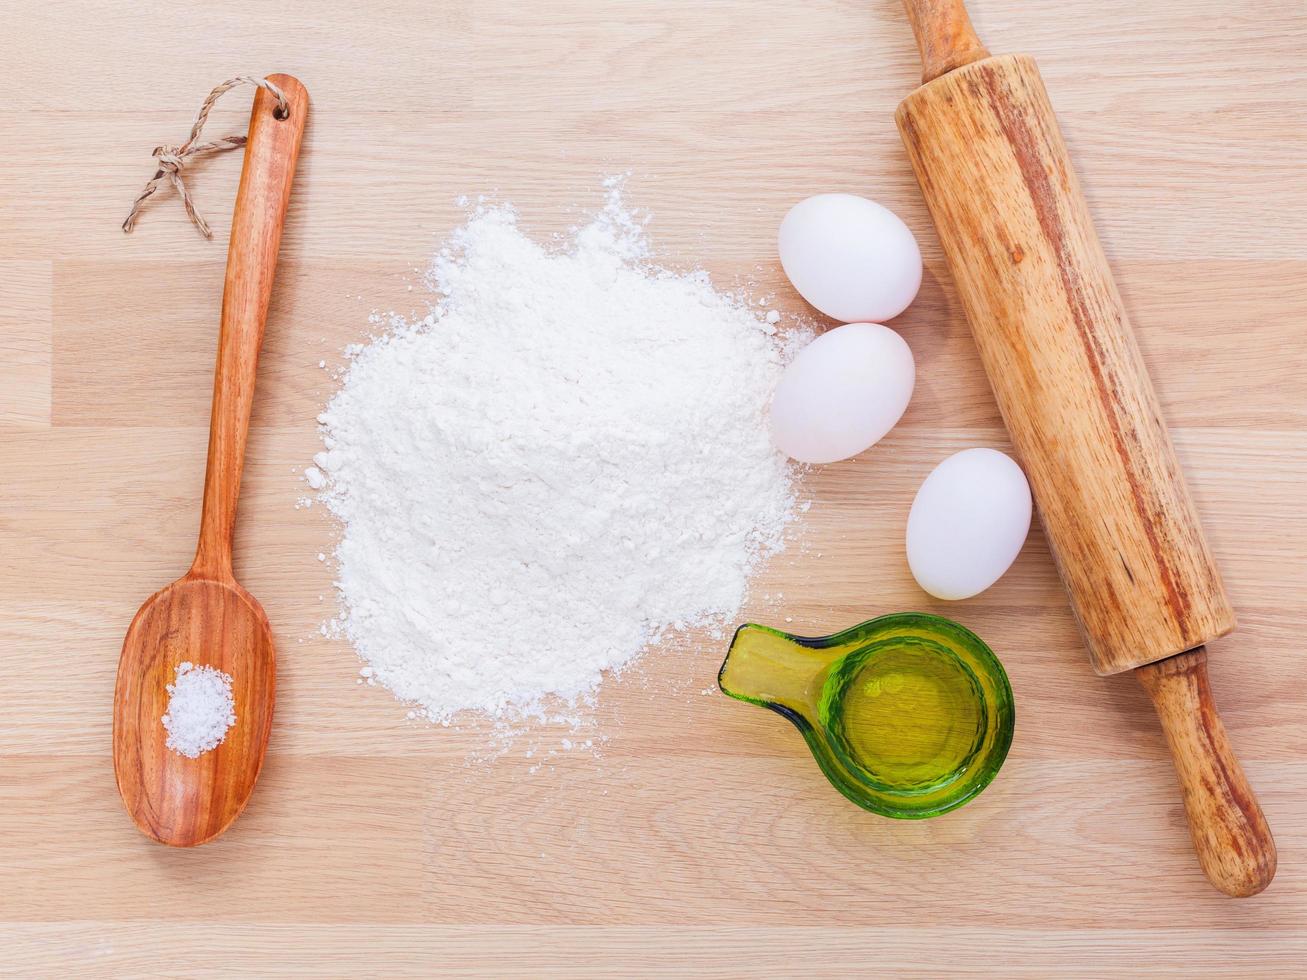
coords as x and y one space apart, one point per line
1060 356
1084 419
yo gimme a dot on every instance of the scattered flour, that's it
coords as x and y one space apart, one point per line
567 459
200 709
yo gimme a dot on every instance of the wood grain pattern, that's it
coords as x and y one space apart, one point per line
206 616
701 839
172 798
1076 397
944 36
262 198
1229 829
1065 368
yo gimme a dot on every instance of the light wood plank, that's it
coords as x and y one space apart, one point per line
661 836
25 342
98 949
1193 189
1200 324
698 838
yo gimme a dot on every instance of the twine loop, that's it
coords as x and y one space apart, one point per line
172 159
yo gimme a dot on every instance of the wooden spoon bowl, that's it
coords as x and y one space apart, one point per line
205 617
172 798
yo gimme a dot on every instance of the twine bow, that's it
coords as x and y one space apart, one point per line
173 158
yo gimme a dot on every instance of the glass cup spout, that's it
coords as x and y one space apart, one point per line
909 715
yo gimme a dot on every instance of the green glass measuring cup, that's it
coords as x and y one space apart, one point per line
909 715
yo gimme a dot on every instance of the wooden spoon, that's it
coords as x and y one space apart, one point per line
206 617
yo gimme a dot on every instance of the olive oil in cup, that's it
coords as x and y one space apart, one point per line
909 715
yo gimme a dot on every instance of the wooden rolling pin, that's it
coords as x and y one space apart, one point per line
1084 419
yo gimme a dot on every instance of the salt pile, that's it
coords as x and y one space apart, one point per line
200 709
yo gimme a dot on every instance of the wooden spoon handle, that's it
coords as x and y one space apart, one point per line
270 155
945 36
1234 844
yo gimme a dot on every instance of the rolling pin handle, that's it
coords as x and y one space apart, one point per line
944 35
1234 844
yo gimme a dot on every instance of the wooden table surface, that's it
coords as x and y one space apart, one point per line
701 838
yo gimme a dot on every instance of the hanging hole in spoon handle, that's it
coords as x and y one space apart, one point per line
271 153
944 35
1234 843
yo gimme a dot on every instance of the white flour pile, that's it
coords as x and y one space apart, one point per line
566 459
200 709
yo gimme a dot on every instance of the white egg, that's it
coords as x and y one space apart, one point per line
842 393
850 258
968 523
